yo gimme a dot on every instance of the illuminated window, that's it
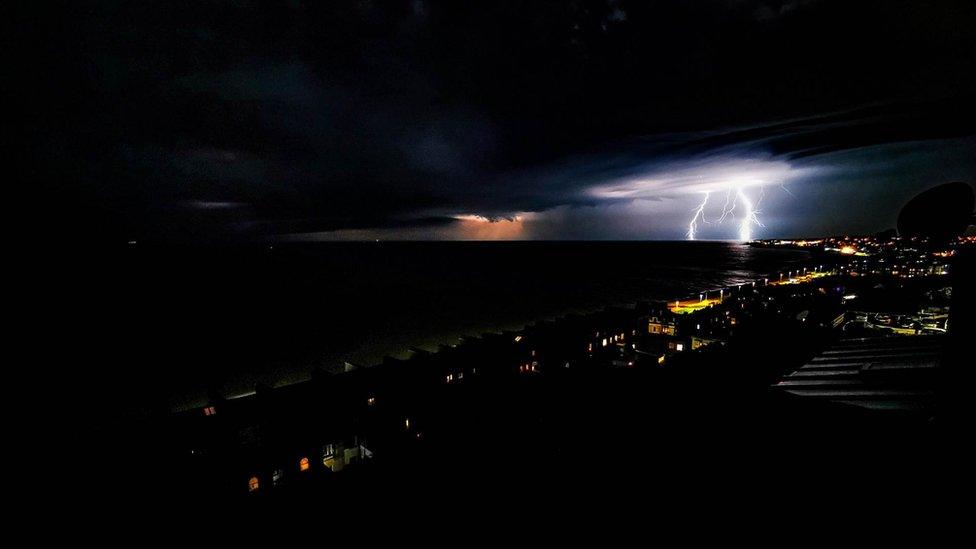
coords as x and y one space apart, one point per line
680 347
303 464
460 375
449 378
518 338
209 411
253 484
406 423
604 342
589 347
370 401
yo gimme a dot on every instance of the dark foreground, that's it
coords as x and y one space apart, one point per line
584 403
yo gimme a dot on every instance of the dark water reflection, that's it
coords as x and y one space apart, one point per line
184 321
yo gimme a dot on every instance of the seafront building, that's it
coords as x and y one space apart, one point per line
483 397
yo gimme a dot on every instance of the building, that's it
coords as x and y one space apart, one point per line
660 326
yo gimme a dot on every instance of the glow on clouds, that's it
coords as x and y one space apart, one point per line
697 177
703 178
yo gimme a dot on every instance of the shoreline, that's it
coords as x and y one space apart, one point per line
433 347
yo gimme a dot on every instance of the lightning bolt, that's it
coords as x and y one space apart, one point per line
750 217
699 213
729 206
735 197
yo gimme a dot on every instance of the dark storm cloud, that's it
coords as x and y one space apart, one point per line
324 116
566 182
860 127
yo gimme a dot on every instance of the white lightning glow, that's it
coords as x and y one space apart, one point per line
707 175
699 213
729 208
735 196
750 216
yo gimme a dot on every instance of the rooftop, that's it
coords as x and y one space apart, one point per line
889 373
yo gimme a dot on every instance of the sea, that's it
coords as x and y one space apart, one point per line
162 327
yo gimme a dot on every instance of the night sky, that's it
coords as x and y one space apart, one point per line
217 120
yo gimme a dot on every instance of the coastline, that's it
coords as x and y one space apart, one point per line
404 344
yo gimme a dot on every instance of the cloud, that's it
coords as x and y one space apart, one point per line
360 116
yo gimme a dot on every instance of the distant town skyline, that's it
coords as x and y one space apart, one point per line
610 119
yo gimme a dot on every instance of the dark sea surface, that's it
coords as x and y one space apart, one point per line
169 324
